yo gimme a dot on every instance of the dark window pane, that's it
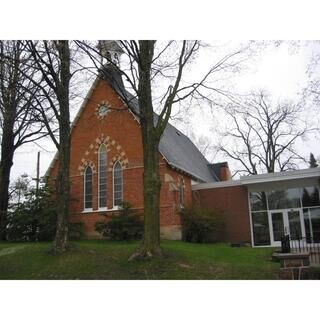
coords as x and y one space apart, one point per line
117 184
277 225
258 201
315 222
102 176
88 188
294 225
260 224
307 225
310 197
282 199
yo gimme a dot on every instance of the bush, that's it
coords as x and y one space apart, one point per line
34 219
201 225
76 230
125 226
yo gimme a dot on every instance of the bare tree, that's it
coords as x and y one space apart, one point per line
312 90
19 119
19 188
52 60
261 136
155 73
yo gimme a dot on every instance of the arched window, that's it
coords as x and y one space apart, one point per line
102 176
181 193
88 188
117 184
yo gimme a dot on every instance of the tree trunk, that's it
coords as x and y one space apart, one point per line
152 186
150 140
5 168
63 190
62 182
7 151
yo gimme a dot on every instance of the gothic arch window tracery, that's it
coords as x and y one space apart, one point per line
117 184
102 180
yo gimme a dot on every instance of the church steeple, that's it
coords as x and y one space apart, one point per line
110 50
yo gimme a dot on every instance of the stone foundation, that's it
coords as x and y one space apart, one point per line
294 266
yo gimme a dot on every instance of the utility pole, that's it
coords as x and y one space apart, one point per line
37 179
38 174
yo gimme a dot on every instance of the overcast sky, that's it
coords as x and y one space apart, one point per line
279 69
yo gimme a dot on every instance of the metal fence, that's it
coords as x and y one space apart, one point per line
302 245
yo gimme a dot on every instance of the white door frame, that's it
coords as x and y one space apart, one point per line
285 223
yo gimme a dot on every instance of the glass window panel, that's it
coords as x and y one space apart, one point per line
117 184
282 199
88 188
277 225
89 205
307 225
102 176
294 225
261 234
310 197
258 201
315 222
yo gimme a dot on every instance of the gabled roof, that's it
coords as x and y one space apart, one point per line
178 150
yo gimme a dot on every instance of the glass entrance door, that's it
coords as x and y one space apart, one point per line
277 224
295 223
283 222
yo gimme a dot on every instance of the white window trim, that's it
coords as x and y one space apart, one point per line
84 190
269 212
102 208
114 206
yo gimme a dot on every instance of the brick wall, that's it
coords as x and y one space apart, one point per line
233 201
120 132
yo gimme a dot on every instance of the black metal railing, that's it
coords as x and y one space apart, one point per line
302 245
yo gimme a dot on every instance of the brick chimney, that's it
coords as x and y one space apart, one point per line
221 170
225 173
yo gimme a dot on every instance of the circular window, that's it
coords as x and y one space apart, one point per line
103 110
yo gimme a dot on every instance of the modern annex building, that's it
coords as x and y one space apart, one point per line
260 209
107 168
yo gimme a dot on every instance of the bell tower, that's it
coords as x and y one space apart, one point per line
110 51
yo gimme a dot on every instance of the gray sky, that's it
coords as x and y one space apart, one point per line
281 70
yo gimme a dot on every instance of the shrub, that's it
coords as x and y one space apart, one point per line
34 219
76 230
201 225
125 226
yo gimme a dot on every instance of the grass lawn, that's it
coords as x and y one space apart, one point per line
108 260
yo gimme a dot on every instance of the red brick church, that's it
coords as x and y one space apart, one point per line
107 169
107 160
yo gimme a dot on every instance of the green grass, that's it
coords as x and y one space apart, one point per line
108 260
